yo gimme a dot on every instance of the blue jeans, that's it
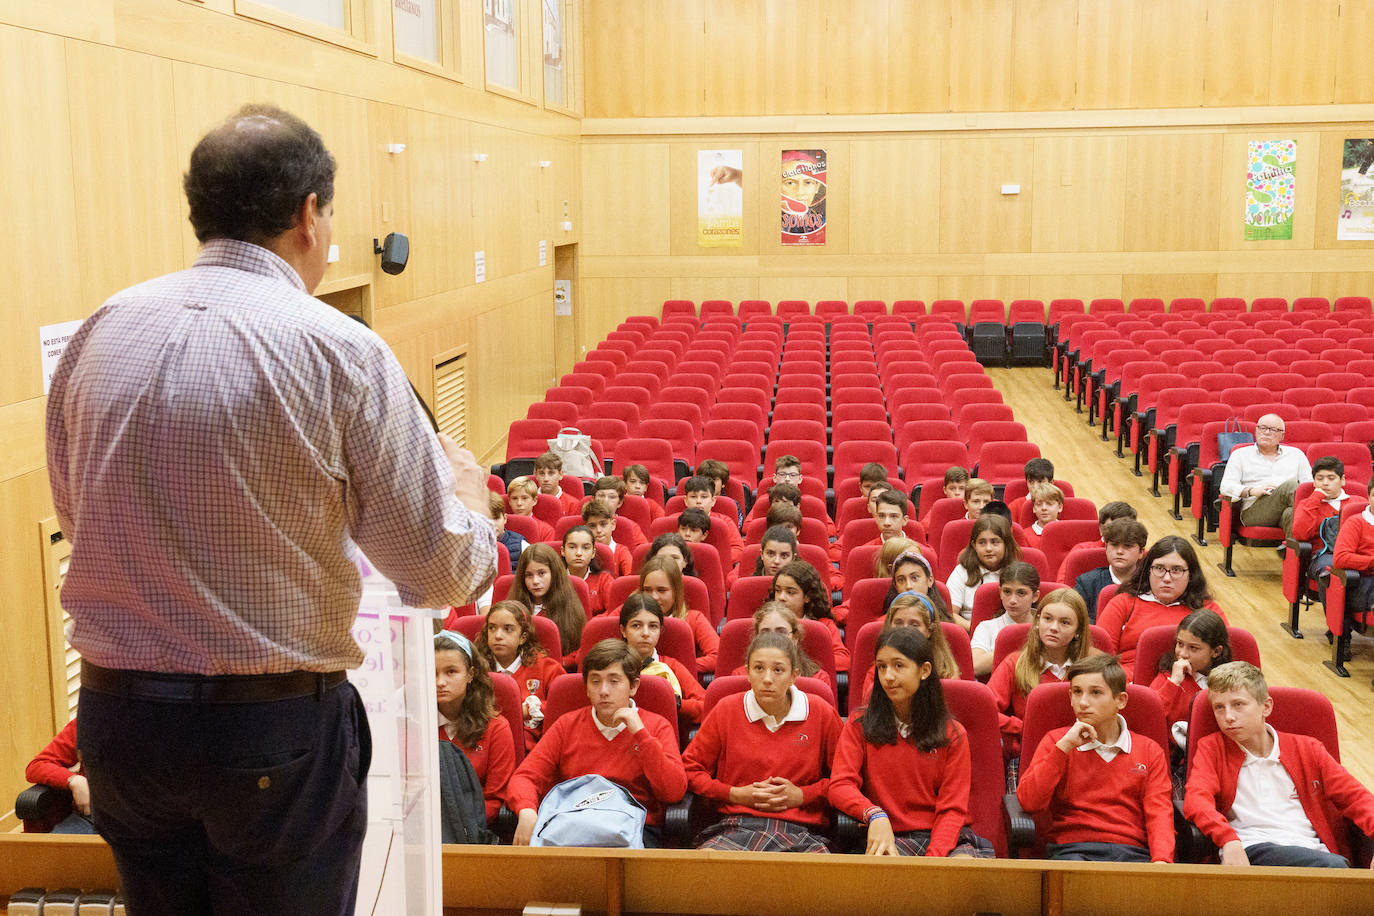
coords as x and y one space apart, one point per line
230 808
1293 856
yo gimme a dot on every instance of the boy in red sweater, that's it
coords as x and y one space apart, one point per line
1266 797
1327 499
548 473
1107 791
1355 550
633 748
764 757
601 520
54 767
700 493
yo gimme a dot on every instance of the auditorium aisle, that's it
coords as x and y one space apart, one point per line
1252 600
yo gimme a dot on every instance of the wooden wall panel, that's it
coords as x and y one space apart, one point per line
674 55
794 47
812 289
980 56
982 286
896 183
1075 286
441 219
1167 57
1239 45
699 289
1104 50
1345 283
1079 192
614 67
1040 80
606 301
974 214
1354 63
918 61
126 172
1170 179
612 177
40 213
1169 286
1252 285
890 289
855 76
733 77
1296 76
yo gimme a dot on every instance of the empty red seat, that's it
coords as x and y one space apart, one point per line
931 458
562 411
529 438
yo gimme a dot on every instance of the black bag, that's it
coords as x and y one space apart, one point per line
462 811
1231 437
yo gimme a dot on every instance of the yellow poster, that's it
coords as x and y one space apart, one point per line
720 198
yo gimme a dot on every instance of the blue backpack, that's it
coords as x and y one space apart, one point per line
589 811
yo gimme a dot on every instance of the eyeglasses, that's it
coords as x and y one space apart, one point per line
1269 429
1168 572
787 475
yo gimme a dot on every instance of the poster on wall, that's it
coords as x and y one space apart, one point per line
803 196
720 198
1356 212
1270 181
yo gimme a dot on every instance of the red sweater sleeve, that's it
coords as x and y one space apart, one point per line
847 772
706 641
500 764
693 695
703 755
1038 781
837 645
1308 514
1176 698
1354 546
1203 794
538 771
951 800
662 763
1003 687
1159 805
52 766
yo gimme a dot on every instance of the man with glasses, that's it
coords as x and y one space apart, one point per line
1264 477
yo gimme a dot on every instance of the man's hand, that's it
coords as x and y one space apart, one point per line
630 716
881 841
1233 853
81 794
471 489
524 828
1079 735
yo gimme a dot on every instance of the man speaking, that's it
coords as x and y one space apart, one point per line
216 439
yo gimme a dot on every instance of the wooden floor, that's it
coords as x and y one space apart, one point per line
1252 600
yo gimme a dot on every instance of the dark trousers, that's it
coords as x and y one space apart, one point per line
230 808
1097 852
1293 856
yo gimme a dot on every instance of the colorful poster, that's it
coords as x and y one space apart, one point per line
803 196
720 198
1356 212
1270 180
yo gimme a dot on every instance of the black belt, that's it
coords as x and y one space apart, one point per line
197 688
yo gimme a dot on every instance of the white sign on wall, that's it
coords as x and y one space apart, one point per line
562 297
52 342
479 265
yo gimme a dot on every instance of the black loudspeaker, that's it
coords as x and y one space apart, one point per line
395 252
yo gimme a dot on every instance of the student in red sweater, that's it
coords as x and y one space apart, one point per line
641 626
521 495
1355 550
700 493
600 520
903 765
468 716
1266 797
775 617
661 579
799 586
636 477
1058 638
633 748
1047 502
1107 791
508 644
1201 643
579 555
59 765
764 757
1327 499
542 585
1168 585
915 610
548 473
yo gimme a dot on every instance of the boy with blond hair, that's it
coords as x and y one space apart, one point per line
1266 797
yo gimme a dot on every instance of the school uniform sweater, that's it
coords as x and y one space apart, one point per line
1309 513
534 680
1090 800
705 640
729 751
646 763
693 695
624 560
1325 789
1177 699
543 531
569 503
599 589
1011 702
1126 617
1355 545
53 765
919 790
493 760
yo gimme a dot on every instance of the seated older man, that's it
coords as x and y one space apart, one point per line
1263 477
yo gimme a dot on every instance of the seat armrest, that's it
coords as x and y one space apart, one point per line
1020 825
850 835
37 803
677 823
